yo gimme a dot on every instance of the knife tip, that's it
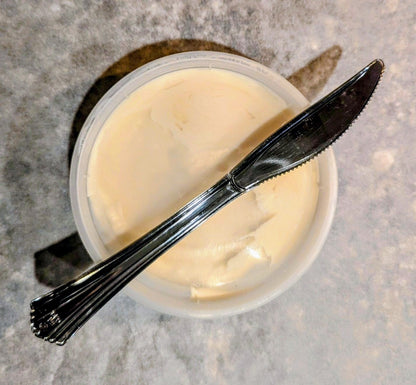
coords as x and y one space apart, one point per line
378 64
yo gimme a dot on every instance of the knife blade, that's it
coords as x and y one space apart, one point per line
310 132
57 315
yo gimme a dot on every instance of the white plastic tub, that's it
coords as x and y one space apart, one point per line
165 296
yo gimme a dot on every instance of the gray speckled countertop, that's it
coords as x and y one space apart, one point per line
350 320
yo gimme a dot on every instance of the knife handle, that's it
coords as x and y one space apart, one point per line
57 315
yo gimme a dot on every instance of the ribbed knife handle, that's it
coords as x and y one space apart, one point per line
58 314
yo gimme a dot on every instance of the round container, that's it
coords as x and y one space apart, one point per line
167 297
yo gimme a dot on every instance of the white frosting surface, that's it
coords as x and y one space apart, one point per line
169 141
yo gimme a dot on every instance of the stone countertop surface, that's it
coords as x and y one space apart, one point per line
350 320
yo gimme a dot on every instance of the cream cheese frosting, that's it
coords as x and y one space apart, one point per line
173 138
